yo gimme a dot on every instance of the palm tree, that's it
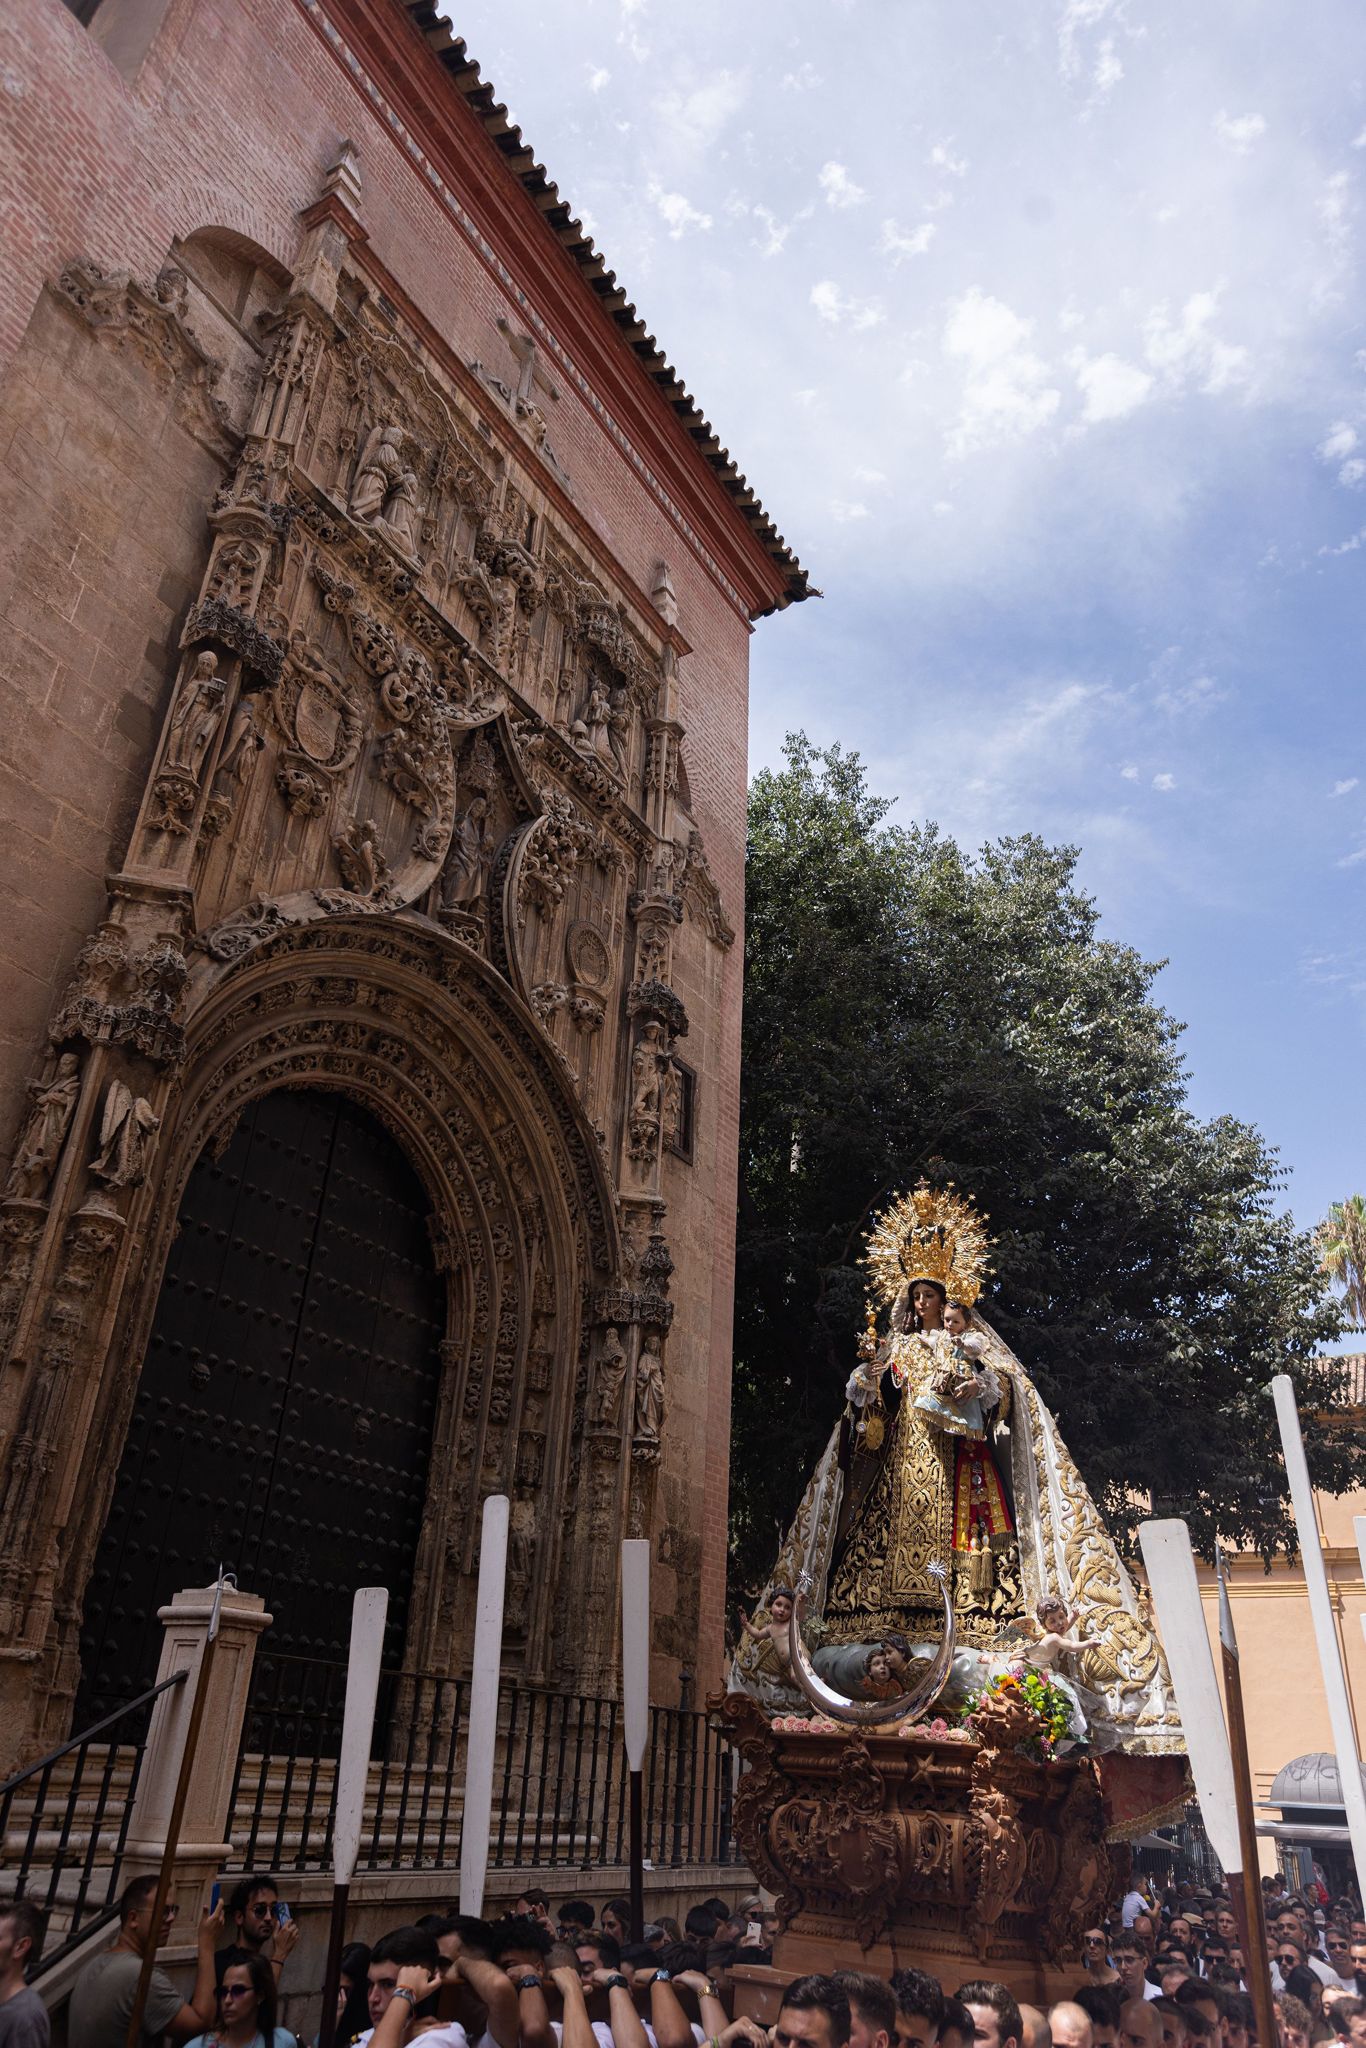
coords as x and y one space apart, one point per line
1341 1239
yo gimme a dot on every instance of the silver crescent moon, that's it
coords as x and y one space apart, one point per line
865 1713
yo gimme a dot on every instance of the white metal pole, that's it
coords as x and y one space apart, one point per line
484 1677
1170 1564
369 1611
1320 1607
635 1705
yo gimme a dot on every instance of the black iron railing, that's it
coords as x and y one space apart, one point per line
64 1822
559 1787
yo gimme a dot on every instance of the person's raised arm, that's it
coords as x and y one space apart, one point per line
578 2028
493 1988
202 2006
673 2028
414 1987
282 1945
533 2016
628 2028
710 2011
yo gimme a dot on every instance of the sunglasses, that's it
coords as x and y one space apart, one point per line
235 1991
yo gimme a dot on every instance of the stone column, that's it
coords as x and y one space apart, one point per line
204 1826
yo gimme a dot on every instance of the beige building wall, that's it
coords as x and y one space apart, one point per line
1283 1696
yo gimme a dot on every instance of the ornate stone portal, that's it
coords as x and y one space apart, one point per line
961 1857
413 831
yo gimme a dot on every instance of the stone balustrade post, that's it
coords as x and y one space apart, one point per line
205 1823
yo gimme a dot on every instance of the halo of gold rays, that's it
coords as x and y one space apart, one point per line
928 1234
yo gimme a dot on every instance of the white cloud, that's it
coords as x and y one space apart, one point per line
775 232
843 510
1164 781
1110 387
1240 131
628 34
839 188
1074 17
1340 440
693 121
1353 473
869 476
1338 449
841 311
803 79
1352 860
1006 392
1186 350
679 215
897 243
1129 772
1345 787
1108 71
1349 546
598 76
942 158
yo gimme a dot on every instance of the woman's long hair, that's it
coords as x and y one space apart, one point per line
355 1962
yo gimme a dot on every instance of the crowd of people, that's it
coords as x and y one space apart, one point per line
1159 1972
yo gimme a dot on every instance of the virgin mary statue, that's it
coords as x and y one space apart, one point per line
945 1457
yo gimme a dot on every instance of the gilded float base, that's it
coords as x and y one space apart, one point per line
963 1858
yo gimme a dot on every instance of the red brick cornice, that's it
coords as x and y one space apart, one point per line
625 383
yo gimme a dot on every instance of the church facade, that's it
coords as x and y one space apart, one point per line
375 608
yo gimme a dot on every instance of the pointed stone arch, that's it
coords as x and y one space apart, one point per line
421 1031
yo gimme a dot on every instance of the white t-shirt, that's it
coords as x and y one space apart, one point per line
452 2036
1134 1904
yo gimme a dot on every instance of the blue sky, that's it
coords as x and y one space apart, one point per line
1037 324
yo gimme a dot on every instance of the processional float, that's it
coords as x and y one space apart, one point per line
951 1704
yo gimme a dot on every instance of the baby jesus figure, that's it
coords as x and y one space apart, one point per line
953 1396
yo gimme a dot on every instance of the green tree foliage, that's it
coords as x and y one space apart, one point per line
910 1009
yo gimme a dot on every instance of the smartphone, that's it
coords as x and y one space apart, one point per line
214 1896
754 1930
283 1916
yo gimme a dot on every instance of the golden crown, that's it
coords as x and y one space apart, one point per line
928 1234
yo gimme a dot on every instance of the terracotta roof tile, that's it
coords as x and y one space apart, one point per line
479 96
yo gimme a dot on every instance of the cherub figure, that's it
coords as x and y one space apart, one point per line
774 1655
1054 1619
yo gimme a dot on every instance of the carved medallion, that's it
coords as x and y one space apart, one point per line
590 963
319 713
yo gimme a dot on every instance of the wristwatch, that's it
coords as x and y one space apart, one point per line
527 1983
661 1977
618 1983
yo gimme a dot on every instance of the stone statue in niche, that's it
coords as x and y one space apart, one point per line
467 862
649 1395
384 493
127 1128
44 1134
194 721
619 729
591 730
377 473
611 1377
647 1073
244 742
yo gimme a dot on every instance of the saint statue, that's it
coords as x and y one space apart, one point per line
607 1388
377 472
127 1129
468 857
194 721
946 1457
649 1395
44 1134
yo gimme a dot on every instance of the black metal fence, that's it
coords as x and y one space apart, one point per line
559 1789
64 1822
